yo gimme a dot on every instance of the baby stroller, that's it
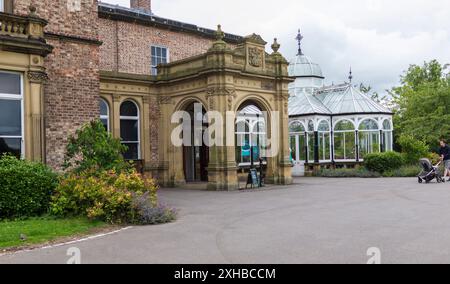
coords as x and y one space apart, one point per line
429 172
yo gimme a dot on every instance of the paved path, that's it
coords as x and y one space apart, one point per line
313 221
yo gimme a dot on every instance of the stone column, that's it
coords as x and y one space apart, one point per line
115 119
222 168
35 143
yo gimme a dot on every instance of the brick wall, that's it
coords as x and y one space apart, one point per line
71 93
126 46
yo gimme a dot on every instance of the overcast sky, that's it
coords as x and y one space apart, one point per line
378 38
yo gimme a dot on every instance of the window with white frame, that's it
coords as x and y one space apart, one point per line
2 6
369 138
104 114
324 141
129 130
388 139
159 55
11 113
344 141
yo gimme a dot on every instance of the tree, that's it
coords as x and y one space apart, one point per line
423 101
93 148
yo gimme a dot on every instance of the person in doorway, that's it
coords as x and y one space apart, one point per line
444 152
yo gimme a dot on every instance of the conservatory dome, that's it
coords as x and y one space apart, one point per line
302 66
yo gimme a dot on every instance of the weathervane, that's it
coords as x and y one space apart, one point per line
299 38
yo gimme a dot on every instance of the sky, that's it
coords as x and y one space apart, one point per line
378 39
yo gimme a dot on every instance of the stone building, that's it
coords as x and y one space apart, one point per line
64 63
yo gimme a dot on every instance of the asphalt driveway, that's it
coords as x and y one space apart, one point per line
314 221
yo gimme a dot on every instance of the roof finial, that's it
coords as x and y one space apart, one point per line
219 33
350 77
299 38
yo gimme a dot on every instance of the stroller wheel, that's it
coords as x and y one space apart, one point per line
420 180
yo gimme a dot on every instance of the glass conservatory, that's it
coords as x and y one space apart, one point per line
334 125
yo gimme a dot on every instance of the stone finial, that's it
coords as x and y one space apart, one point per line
220 35
275 46
32 10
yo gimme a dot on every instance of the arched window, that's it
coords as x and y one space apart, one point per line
296 127
11 114
324 141
129 129
251 135
369 138
344 141
388 138
104 114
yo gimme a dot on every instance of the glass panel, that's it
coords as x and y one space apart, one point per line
260 127
133 151
158 52
105 124
302 145
242 127
344 125
10 118
344 146
296 127
129 130
128 109
388 141
11 146
387 125
369 142
324 147
310 125
10 83
324 126
368 124
164 54
293 149
311 147
104 108
154 71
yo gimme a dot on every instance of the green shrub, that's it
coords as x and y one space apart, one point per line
94 148
404 171
382 162
412 149
25 188
347 173
108 196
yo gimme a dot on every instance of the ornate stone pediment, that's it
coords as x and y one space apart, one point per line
257 39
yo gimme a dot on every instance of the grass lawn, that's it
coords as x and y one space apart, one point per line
42 230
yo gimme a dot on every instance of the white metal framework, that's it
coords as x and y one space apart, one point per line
251 136
12 113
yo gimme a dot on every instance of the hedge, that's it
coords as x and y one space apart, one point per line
25 188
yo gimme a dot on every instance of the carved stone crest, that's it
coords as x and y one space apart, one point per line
255 57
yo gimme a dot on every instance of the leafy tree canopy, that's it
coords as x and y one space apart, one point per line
423 102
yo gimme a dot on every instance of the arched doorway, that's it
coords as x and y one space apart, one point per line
196 153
